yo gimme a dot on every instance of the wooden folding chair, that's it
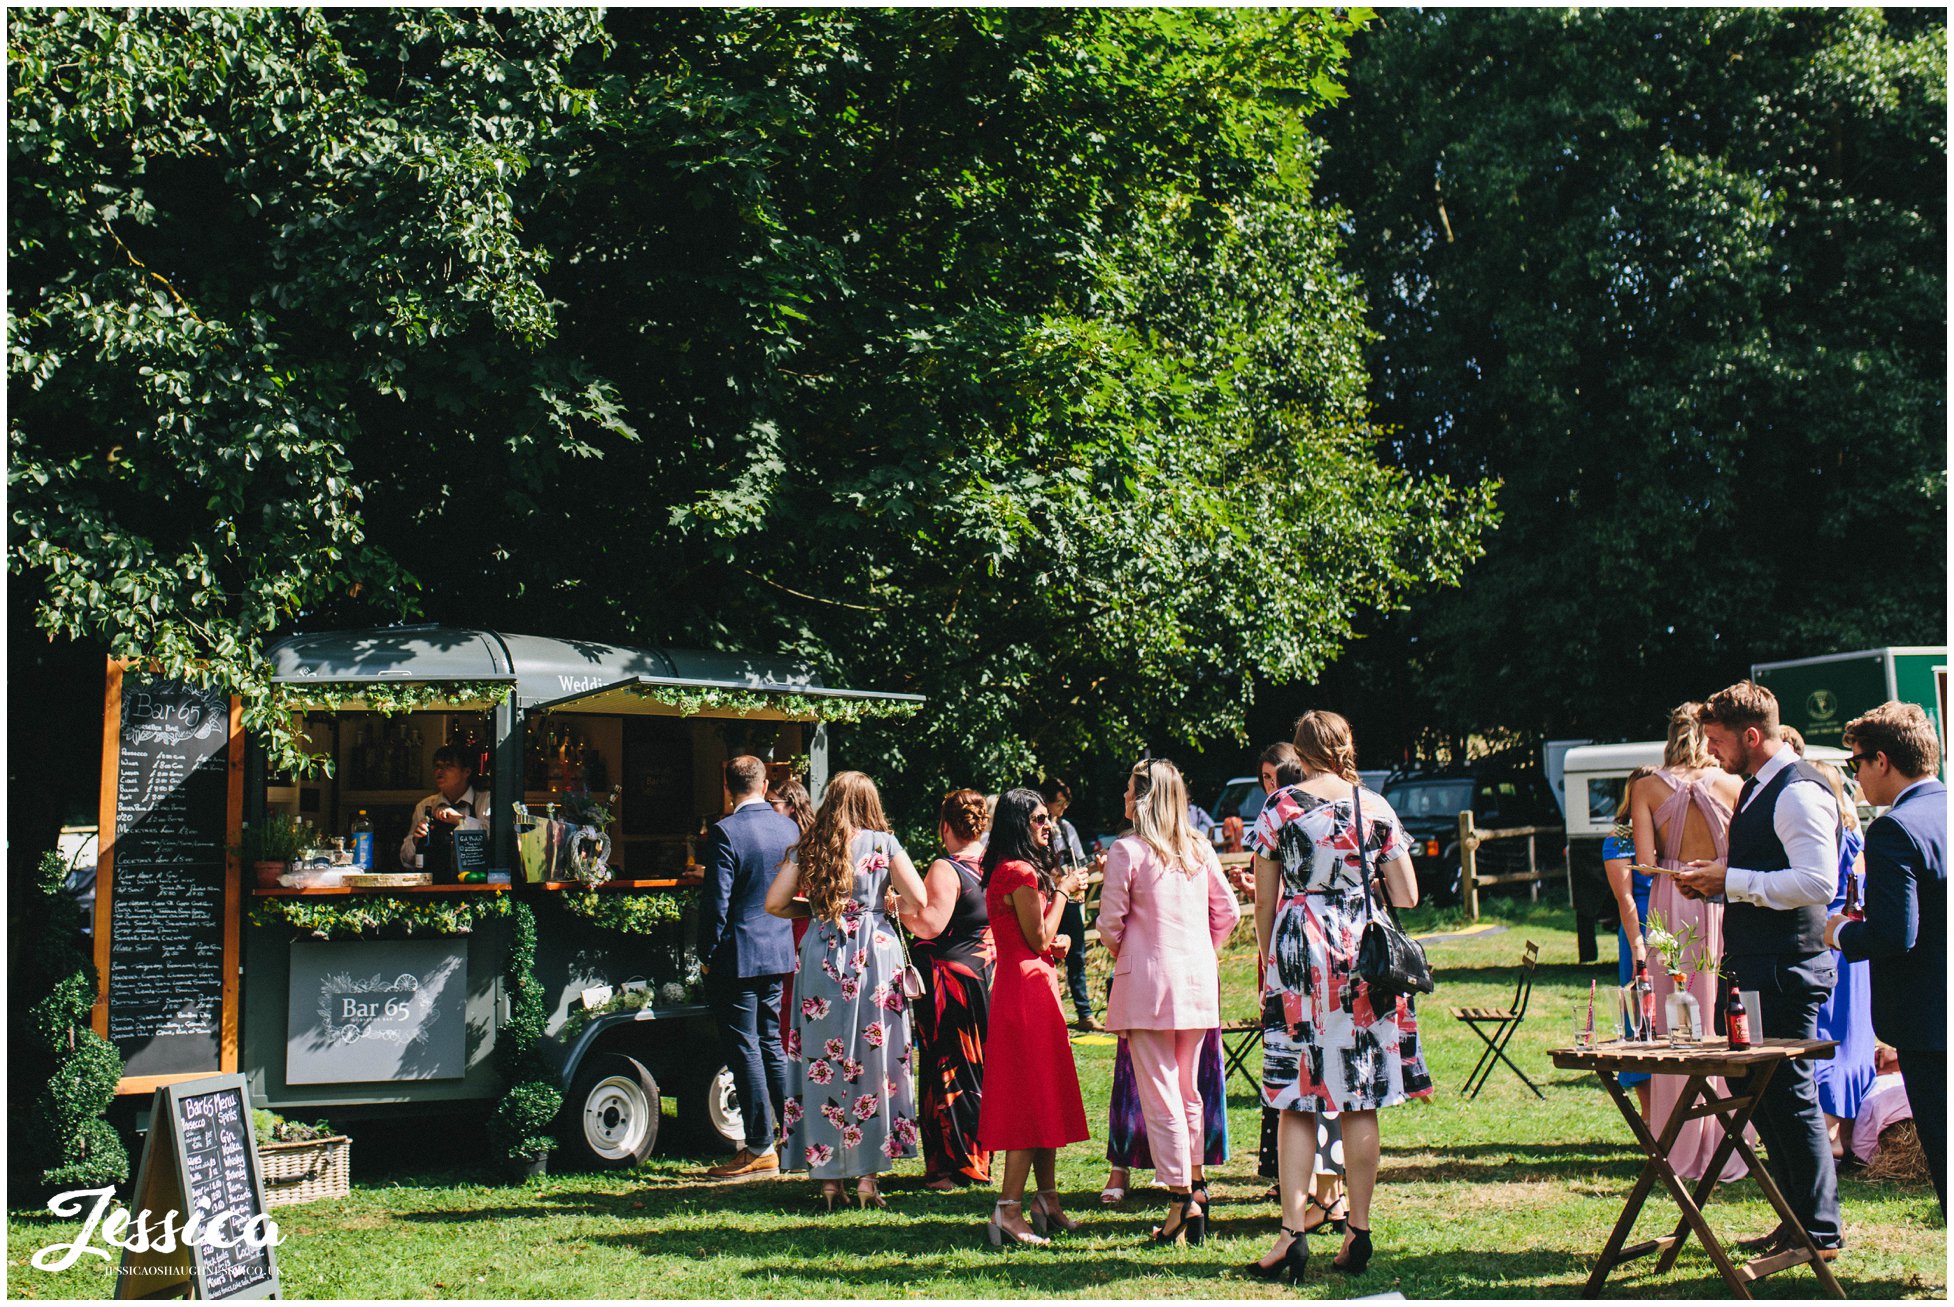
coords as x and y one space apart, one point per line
1503 1022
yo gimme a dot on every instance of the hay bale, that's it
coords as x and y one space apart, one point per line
1899 1156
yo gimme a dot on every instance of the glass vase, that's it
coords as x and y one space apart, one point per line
1684 1013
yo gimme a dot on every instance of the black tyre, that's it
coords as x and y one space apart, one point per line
709 1108
611 1115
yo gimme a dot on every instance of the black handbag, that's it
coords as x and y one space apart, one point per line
1388 960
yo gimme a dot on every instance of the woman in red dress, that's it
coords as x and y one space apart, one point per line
1031 1103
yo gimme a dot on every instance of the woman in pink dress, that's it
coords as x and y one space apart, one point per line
1680 814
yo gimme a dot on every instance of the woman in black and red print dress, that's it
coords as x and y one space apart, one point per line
1325 1046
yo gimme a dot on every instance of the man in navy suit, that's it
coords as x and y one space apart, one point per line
1904 935
745 955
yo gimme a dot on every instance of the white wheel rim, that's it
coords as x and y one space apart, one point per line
616 1117
723 1107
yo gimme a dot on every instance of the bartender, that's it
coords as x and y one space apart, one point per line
455 800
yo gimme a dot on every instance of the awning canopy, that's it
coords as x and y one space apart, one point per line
567 675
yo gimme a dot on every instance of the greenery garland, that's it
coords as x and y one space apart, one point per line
368 914
694 700
626 912
390 698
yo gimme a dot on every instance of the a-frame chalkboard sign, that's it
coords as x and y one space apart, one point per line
201 1156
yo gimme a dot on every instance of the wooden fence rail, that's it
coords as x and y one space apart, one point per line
1470 839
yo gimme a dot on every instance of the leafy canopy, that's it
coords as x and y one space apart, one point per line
1003 356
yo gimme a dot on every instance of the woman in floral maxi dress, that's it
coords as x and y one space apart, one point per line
850 1108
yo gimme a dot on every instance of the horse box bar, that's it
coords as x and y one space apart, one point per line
206 971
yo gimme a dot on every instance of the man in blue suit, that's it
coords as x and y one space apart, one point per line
1895 758
745 955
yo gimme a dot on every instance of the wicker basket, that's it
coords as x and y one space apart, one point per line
303 1172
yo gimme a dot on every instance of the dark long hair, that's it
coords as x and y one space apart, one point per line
1011 838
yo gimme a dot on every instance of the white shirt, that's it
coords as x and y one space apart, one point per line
478 804
1806 821
743 804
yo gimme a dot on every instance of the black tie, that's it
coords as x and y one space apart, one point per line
1743 795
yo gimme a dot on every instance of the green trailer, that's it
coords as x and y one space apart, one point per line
1820 695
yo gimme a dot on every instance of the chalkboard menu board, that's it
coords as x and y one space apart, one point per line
165 909
201 1157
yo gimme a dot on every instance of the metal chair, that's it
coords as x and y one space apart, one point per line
1503 1022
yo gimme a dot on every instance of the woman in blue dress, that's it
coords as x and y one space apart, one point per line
1847 1015
1632 908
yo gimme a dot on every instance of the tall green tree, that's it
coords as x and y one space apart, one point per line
999 355
1676 278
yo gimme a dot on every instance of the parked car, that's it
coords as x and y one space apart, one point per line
1241 796
1429 804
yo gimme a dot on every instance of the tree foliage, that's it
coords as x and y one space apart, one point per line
1003 356
1676 278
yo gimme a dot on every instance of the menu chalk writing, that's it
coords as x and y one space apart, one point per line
200 1157
166 909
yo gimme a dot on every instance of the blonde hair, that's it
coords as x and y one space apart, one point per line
1685 747
1160 815
1628 789
1848 811
1324 744
850 804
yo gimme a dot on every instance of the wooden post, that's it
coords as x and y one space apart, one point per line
1468 866
1533 869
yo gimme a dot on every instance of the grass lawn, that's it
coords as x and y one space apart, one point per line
1506 1196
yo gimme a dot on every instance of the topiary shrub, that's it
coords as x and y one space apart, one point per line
65 1070
521 1128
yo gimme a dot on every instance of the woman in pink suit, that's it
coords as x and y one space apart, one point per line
1164 910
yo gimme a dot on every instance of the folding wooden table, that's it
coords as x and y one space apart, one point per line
1699 1062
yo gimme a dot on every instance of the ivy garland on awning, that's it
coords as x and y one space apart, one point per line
389 698
692 701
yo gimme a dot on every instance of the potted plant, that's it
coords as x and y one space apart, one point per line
1684 1013
522 1126
270 846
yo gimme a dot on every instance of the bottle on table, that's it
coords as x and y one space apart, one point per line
1736 1020
363 841
1645 1003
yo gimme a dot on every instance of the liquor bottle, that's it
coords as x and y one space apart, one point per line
363 841
1736 1020
1855 901
1645 1002
420 845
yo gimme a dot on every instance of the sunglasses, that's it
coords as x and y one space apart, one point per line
1041 819
1852 763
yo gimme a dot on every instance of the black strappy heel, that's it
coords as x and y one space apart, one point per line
1294 1260
1330 1221
1358 1255
1193 1224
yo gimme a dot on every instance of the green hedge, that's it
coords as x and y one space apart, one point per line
64 1073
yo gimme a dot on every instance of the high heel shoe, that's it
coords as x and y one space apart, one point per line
1356 1254
830 1194
1043 1218
1293 1262
997 1233
1330 1221
1193 1225
867 1195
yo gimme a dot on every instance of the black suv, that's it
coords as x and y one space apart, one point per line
1429 804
